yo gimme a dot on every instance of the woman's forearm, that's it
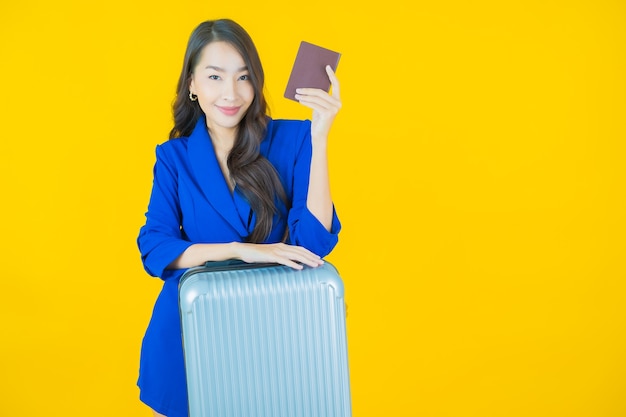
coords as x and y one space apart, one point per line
201 253
291 256
319 201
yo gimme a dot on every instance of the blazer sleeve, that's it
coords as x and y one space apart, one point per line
161 240
304 228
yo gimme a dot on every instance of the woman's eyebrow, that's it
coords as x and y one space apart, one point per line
216 68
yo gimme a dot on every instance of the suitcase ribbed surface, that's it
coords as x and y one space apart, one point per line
265 342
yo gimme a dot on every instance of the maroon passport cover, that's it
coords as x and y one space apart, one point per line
309 68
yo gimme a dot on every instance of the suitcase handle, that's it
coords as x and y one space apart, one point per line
227 265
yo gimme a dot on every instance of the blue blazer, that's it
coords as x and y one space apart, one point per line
191 203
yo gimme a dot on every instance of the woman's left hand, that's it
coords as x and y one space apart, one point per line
325 106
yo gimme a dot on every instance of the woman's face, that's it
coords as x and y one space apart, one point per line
222 83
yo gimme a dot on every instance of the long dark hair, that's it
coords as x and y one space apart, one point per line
254 175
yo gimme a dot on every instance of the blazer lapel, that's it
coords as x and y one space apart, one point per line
210 178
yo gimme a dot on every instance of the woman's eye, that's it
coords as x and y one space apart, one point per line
214 77
244 77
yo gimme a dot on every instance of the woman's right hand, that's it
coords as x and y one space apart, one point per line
281 253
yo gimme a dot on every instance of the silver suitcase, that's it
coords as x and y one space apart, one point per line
264 341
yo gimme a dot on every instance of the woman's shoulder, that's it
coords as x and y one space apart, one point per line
175 147
172 154
285 140
288 124
291 130
174 143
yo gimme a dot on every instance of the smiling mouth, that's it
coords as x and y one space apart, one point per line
230 111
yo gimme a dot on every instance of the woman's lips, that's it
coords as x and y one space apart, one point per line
229 111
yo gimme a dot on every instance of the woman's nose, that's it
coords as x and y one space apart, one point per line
229 90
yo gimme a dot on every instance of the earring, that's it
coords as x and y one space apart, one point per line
192 96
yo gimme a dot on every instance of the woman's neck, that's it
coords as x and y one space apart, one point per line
223 140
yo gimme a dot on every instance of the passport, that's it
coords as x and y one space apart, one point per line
309 68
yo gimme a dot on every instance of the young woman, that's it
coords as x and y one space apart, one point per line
231 183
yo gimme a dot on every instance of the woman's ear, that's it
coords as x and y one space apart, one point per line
192 88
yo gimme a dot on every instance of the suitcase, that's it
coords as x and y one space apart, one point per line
264 340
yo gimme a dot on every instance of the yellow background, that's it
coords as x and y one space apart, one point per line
477 166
